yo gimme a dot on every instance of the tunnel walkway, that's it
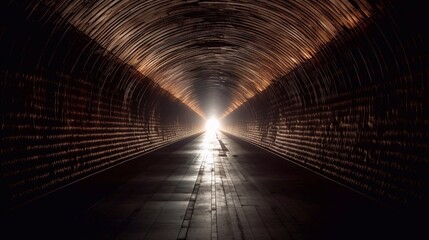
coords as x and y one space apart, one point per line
208 187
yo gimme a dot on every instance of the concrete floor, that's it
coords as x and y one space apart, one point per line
208 187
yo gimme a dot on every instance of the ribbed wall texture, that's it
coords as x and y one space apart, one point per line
69 108
358 112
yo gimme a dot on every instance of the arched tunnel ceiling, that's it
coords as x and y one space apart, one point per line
213 55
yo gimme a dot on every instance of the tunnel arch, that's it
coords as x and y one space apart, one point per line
252 43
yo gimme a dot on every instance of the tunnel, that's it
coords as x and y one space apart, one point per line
207 119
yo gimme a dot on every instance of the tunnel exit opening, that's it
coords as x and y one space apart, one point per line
212 125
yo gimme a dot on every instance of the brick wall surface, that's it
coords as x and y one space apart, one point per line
69 108
357 112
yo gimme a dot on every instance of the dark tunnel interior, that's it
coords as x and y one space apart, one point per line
338 87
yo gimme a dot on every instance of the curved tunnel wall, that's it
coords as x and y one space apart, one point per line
356 112
69 108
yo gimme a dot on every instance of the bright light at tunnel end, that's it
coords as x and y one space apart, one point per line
212 125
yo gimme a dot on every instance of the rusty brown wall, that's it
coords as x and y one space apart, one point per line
357 112
69 108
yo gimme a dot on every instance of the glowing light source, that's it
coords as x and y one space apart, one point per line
212 125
